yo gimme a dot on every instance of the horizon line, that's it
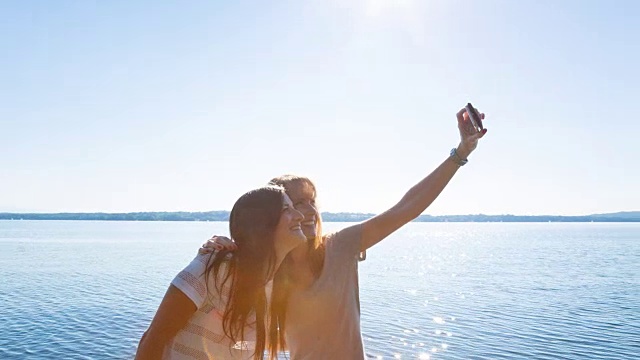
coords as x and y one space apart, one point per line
322 213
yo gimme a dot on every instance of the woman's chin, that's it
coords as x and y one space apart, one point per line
301 237
309 231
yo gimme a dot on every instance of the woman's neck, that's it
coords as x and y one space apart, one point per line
295 254
300 267
300 255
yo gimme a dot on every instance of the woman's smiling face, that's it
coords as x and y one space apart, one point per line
289 233
303 197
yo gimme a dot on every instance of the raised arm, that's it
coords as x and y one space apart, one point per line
420 196
173 314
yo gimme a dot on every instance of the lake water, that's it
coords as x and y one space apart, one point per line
88 290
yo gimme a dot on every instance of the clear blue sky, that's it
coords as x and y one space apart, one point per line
122 106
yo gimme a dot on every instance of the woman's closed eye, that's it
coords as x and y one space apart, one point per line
304 202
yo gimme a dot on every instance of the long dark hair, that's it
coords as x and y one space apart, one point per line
282 281
252 224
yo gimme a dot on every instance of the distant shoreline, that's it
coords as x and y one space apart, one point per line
629 216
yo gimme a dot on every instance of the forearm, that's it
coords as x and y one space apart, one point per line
173 314
412 204
420 196
150 348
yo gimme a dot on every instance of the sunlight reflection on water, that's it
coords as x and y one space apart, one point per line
430 291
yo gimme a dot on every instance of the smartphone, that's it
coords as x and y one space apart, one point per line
474 117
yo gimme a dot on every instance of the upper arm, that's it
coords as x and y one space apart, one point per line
382 225
173 314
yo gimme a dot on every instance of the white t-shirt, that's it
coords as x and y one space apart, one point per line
203 336
323 321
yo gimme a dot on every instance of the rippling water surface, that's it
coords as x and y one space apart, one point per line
87 290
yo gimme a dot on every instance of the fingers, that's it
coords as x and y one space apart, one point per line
483 131
468 132
206 248
463 120
222 243
479 135
217 243
467 127
226 243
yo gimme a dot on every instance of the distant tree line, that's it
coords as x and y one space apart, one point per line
138 216
327 217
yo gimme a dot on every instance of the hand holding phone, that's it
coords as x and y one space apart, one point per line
474 117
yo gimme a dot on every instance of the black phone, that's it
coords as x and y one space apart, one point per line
474 117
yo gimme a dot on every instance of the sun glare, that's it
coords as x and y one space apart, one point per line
403 16
375 8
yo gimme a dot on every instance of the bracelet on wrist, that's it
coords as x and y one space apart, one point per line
456 158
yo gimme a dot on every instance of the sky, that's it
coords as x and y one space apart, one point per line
126 106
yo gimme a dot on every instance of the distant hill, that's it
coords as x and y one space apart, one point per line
625 216
622 214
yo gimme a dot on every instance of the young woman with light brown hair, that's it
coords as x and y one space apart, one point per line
315 302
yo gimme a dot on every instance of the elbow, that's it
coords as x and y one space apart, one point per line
414 215
150 346
411 213
416 211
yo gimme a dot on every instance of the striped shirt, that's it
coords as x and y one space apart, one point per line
203 337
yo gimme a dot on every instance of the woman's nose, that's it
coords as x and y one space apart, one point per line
306 209
297 215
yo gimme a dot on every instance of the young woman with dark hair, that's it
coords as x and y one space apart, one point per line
217 307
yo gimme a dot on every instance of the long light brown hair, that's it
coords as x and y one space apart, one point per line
283 282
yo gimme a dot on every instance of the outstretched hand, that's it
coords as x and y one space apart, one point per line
469 136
